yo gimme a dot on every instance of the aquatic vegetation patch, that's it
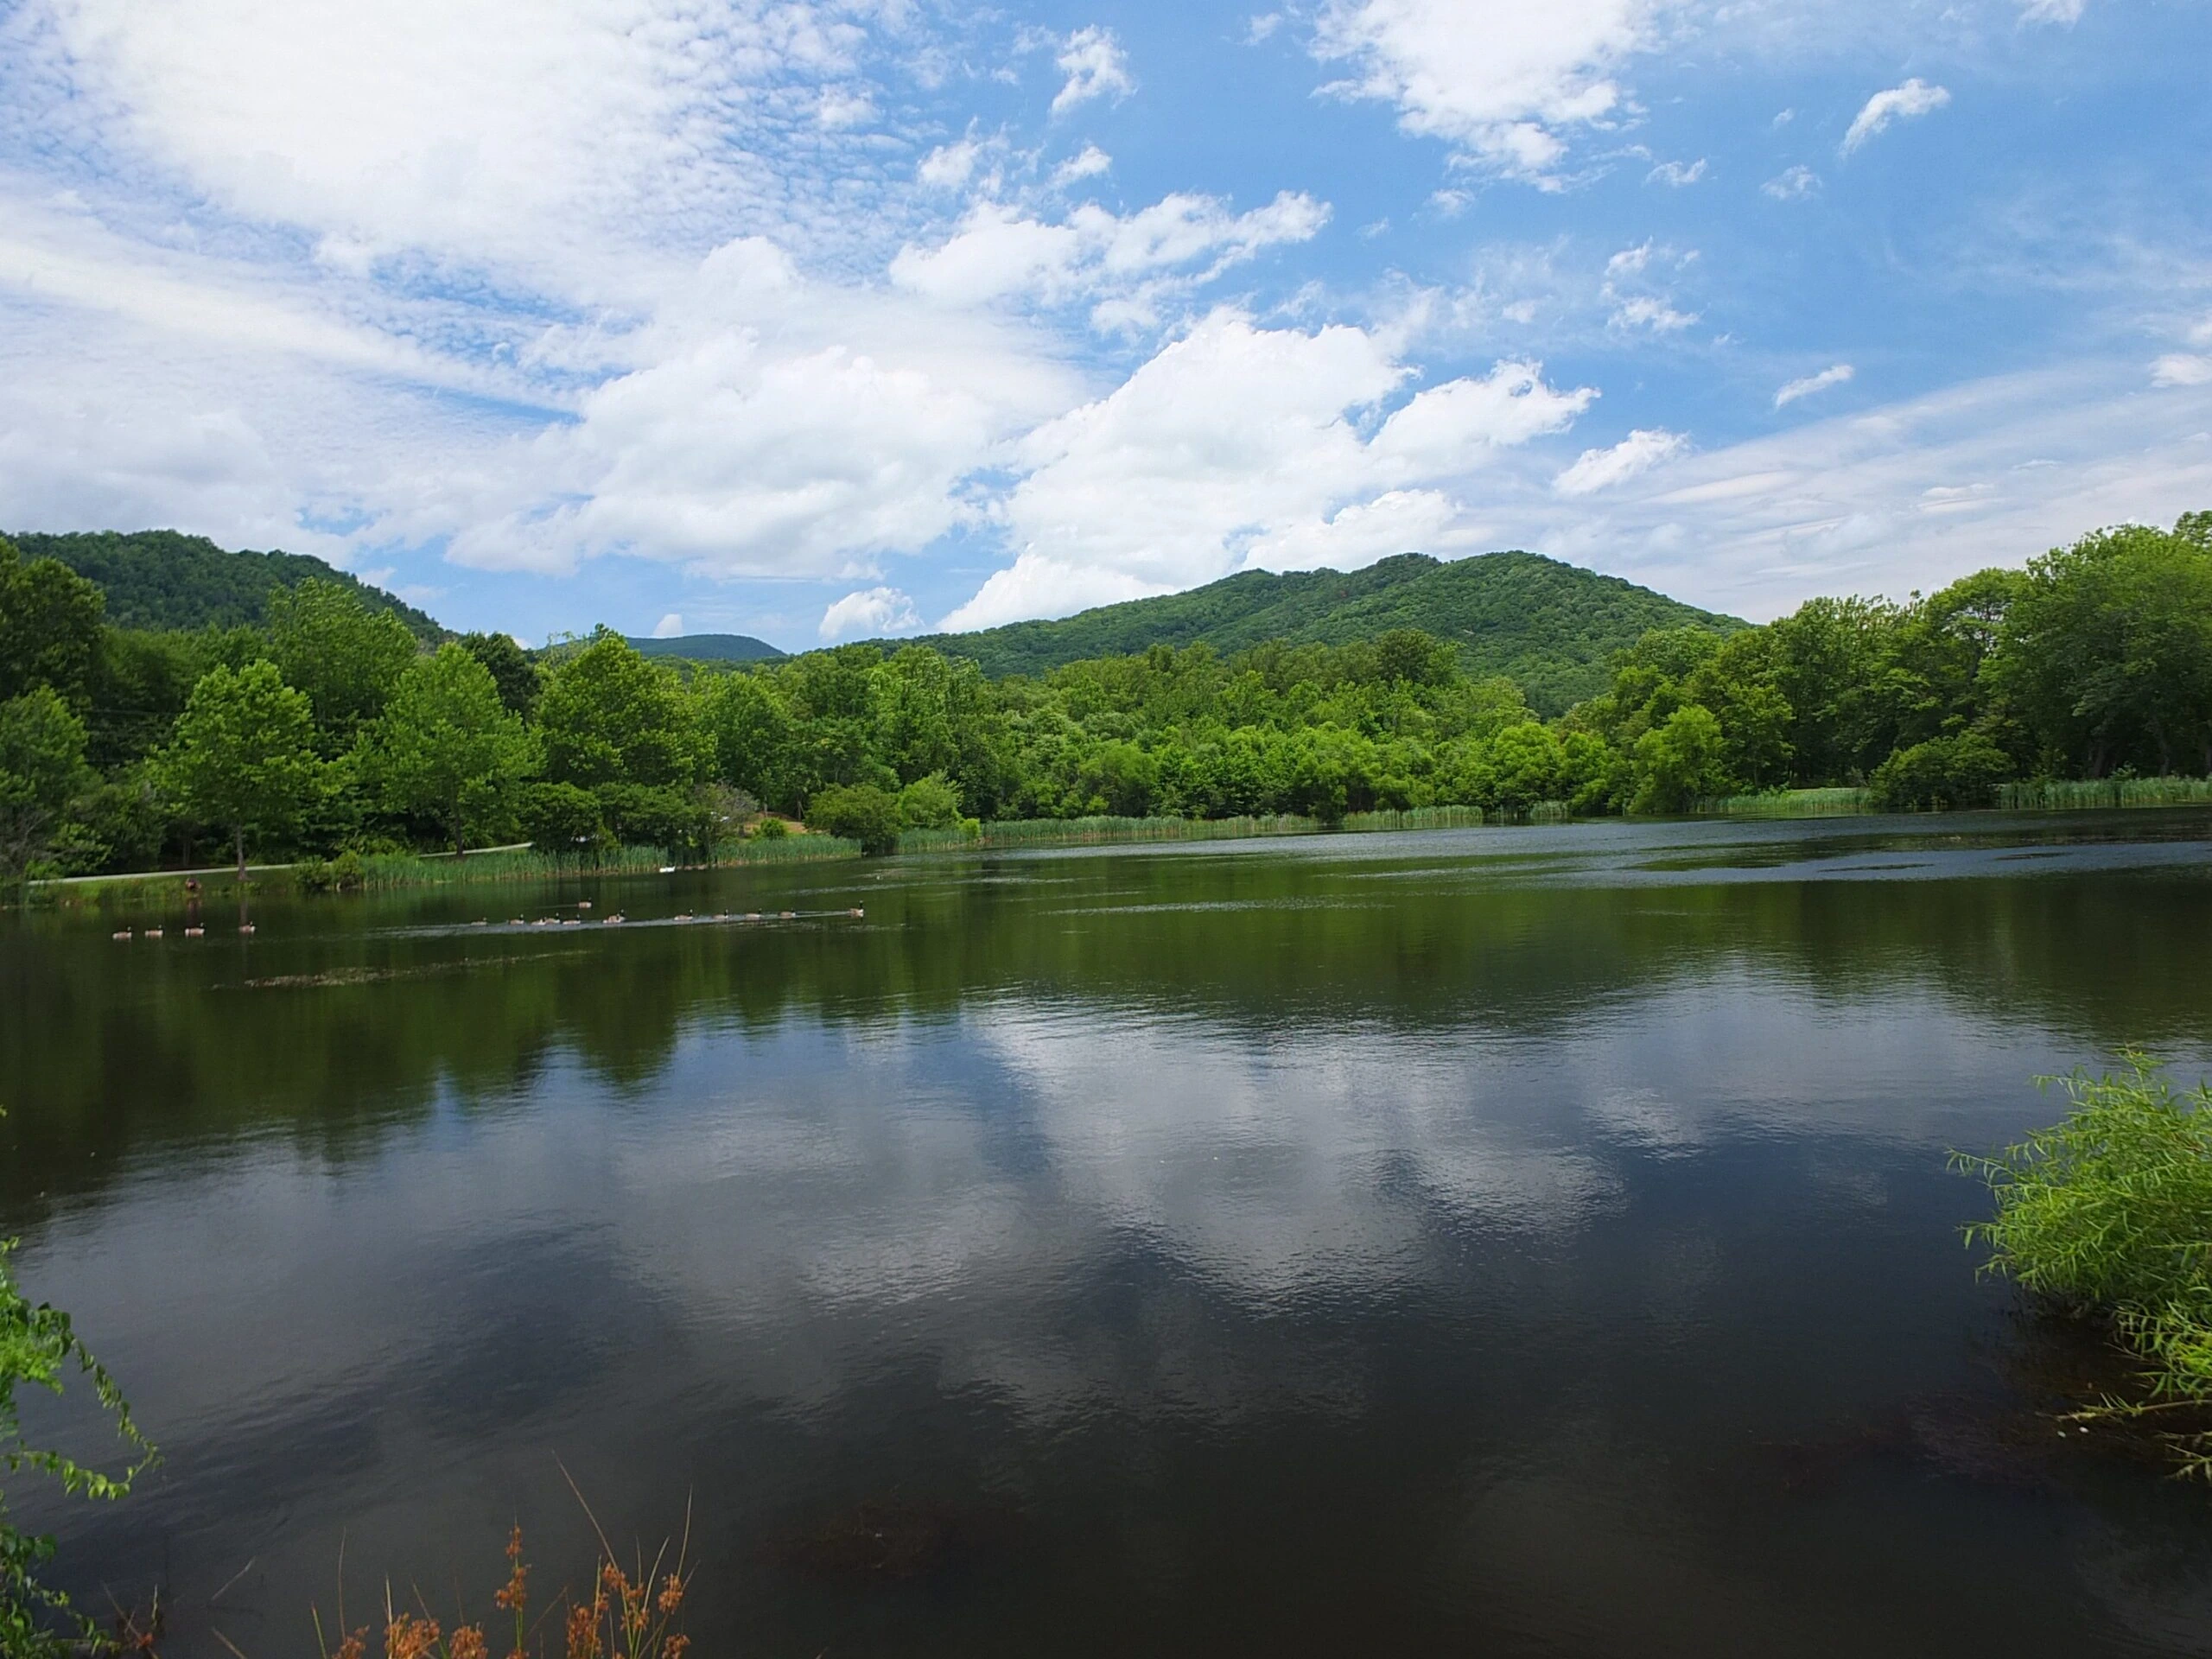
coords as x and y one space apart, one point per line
2108 1215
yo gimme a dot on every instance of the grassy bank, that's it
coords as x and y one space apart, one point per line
1107 831
1789 804
2052 795
2108 1215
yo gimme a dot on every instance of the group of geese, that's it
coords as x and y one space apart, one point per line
195 932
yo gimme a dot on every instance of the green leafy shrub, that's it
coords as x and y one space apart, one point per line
2109 1213
772 830
859 812
1944 773
930 802
561 818
346 872
1680 763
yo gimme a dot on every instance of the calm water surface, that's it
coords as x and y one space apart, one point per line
1515 1241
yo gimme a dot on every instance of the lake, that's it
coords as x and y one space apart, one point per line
1519 1241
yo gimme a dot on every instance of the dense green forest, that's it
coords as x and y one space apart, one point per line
710 648
331 724
160 579
1549 627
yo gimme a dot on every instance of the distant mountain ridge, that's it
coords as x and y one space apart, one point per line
711 648
165 579
1548 626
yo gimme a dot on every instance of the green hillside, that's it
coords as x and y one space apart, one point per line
1550 626
162 579
710 648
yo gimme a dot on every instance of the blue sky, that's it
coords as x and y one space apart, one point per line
821 320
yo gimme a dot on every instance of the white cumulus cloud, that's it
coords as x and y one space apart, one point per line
1792 184
1089 164
2182 369
1836 375
1913 99
1095 67
1504 83
774 427
871 611
1597 469
669 626
1239 445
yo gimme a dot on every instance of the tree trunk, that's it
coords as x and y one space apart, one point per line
241 845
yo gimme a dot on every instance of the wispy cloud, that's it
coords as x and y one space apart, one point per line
1677 173
1833 376
1791 185
1639 451
1906 103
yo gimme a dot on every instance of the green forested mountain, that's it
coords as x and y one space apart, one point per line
710 648
1549 627
163 579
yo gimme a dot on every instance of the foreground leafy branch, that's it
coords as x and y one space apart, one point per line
38 1347
2109 1214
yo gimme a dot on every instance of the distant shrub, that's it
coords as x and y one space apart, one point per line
347 872
930 802
560 818
858 812
1942 773
772 830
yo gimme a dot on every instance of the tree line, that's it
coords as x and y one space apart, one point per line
331 726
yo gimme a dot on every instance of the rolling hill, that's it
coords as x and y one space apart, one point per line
163 579
1548 626
710 648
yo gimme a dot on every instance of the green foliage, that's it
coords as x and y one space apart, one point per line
49 626
446 746
347 872
519 677
1680 762
858 812
139 684
2105 1212
711 648
1944 773
2061 794
772 830
41 771
609 716
930 802
560 819
1547 625
38 1349
2097 660
159 578
245 758
2105 654
345 654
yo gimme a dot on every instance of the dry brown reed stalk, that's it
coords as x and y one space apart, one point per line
629 1615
